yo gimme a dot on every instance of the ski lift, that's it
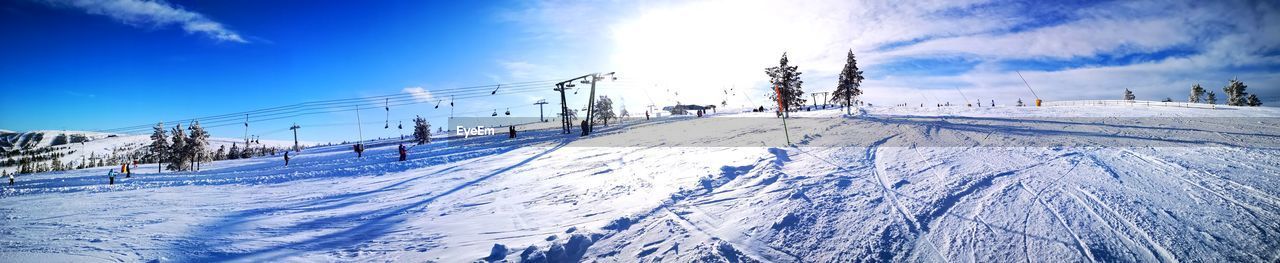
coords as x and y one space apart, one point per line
386 103
584 82
508 111
438 103
571 85
401 126
495 113
495 90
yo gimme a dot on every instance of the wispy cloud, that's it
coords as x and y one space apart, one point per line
702 46
153 13
419 94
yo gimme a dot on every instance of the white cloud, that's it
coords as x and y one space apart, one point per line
700 47
155 13
419 94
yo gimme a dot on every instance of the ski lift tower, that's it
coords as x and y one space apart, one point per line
295 136
540 103
564 108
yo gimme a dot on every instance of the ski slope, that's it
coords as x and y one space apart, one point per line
940 184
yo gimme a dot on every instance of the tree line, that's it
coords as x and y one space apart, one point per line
1235 91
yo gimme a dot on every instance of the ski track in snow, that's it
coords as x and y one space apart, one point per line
896 198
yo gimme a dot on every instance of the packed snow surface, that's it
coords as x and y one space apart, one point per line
915 184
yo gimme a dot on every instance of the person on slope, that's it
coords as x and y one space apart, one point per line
111 176
124 169
359 150
403 152
286 158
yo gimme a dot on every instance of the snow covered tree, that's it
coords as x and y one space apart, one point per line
849 85
1167 99
1236 96
1212 99
159 143
178 151
787 81
603 110
421 130
197 144
1128 95
1196 93
221 154
1254 101
234 152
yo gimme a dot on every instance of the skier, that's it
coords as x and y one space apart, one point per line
124 169
359 150
646 115
993 103
584 128
403 152
512 132
111 175
286 158
10 179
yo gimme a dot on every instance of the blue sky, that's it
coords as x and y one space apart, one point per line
99 64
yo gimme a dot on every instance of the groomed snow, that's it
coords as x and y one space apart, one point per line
900 197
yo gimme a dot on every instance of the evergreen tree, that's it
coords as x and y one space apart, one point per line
178 154
1236 95
421 131
1128 95
234 152
1212 99
1168 99
159 143
221 153
1254 101
198 142
603 110
1196 93
848 87
787 80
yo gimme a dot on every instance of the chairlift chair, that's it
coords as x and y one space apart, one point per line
495 113
508 111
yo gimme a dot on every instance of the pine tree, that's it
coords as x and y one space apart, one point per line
1167 99
198 142
787 80
603 110
221 154
234 152
178 149
849 85
1254 101
1236 95
1128 95
421 131
1196 93
1212 99
159 143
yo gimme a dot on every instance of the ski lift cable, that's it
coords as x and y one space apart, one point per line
541 83
398 102
310 106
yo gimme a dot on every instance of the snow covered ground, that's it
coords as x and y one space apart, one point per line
1070 183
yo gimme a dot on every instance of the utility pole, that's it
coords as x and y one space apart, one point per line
540 103
295 136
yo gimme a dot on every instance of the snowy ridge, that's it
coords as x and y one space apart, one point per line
546 196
